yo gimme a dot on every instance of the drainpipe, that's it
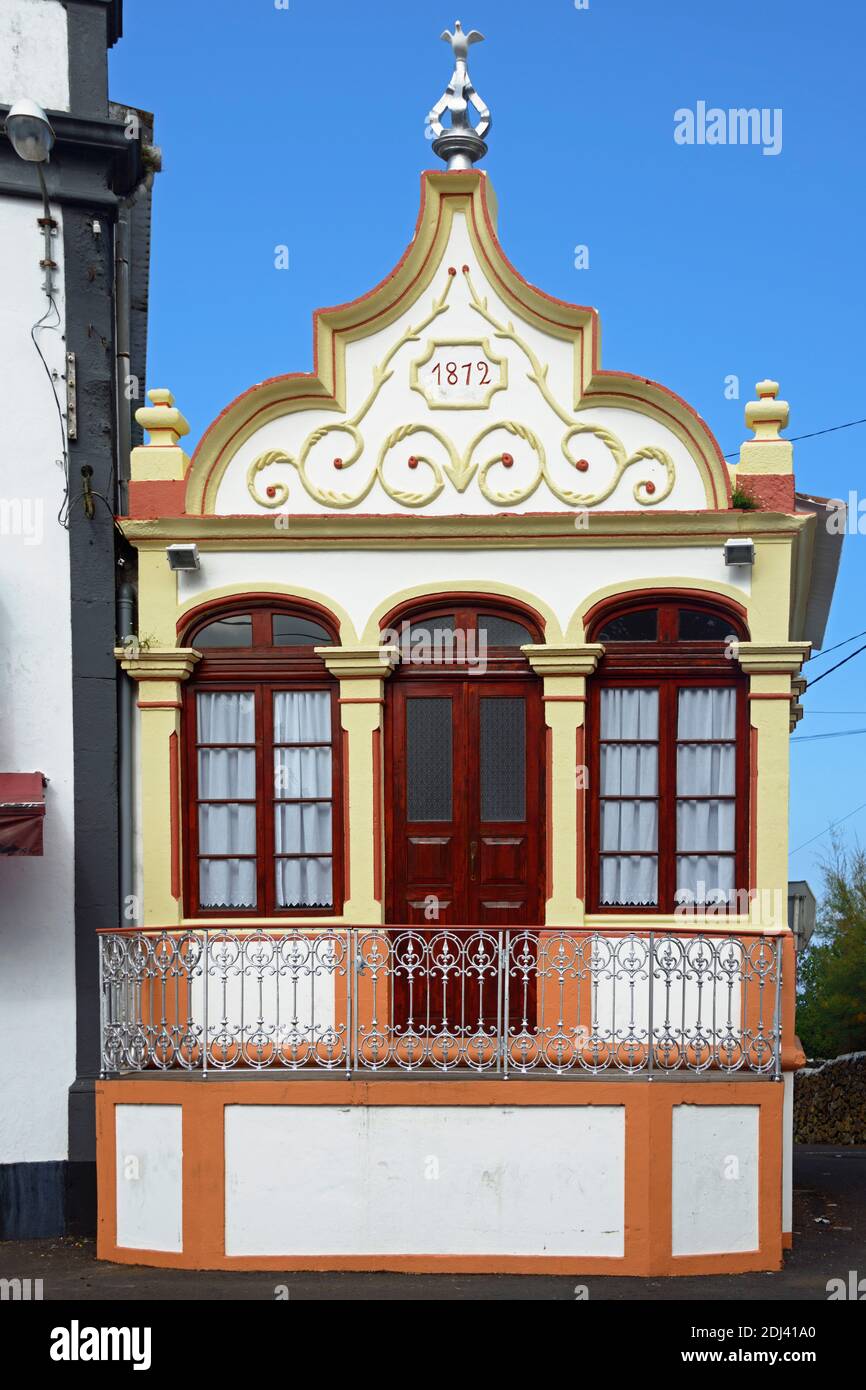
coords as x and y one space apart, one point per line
122 353
125 630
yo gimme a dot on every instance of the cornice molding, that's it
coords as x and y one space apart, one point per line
359 663
564 661
372 532
772 658
158 663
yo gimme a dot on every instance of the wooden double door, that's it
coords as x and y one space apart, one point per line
466 823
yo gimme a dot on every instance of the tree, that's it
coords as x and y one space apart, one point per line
831 986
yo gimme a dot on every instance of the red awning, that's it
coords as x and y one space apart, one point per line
22 810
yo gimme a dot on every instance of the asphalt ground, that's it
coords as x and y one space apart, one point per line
829 1243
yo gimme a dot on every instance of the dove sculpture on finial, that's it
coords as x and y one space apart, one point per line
460 144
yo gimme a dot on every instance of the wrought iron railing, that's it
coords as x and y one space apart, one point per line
477 1001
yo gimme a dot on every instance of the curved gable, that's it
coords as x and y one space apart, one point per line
455 387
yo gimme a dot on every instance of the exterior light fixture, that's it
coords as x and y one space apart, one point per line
183 557
740 552
32 138
29 130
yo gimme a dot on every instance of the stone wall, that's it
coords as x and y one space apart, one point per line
830 1102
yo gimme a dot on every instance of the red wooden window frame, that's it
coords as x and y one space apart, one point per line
264 670
667 665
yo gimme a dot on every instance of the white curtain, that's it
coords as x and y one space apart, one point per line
706 828
229 776
629 881
629 770
629 714
302 773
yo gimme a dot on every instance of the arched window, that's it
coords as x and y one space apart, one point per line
668 744
474 634
262 765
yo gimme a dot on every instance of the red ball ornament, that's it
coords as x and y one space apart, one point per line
338 463
582 465
650 487
271 491
413 462
507 460
466 270
452 270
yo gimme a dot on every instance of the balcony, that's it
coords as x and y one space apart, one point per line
362 1002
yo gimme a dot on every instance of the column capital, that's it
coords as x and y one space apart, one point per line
157 663
359 663
772 658
564 661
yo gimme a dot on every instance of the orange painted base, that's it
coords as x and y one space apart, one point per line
648 1167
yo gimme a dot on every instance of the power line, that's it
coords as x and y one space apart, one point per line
826 831
793 438
827 650
838 733
831 669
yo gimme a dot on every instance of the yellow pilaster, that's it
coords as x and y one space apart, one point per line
362 673
564 671
159 674
772 669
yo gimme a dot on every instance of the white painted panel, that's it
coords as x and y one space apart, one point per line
715 1179
37 967
362 581
149 1176
33 56
328 1180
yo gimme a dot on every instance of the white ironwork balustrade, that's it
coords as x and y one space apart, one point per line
474 1001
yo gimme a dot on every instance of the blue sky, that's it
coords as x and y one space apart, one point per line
305 127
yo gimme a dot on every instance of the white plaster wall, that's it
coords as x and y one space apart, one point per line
149 1150
329 1180
361 581
37 985
521 402
33 53
715 1179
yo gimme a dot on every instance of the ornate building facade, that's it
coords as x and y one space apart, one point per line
465 673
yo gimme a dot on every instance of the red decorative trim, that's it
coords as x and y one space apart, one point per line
347 852
377 815
753 808
156 498
563 699
371 700
548 813
174 828
771 697
580 794
773 492
159 704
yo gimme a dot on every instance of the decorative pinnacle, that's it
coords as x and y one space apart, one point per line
461 144
767 415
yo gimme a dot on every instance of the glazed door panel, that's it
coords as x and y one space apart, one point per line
466 825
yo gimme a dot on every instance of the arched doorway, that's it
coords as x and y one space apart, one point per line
465 768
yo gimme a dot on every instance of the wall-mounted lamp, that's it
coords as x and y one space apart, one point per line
740 552
183 557
32 139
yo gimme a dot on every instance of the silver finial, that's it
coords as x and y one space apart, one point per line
461 143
